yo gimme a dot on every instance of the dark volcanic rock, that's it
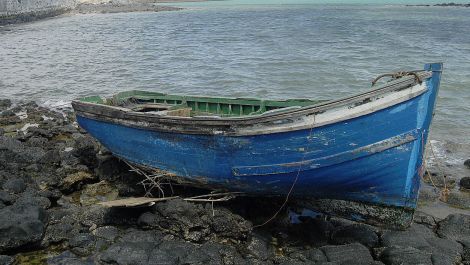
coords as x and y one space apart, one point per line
4 104
355 233
259 248
467 163
149 247
85 149
455 227
109 167
405 256
14 185
69 258
459 199
194 222
465 183
109 233
445 251
82 244
6 198
424 219
466 249
414 237
15 152
347 253
6 260
21 225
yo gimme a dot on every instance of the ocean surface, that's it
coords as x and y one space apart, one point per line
286 50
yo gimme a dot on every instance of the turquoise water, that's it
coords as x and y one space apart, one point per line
308 2
273 51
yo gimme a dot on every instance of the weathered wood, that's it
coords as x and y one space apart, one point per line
275 122
135 202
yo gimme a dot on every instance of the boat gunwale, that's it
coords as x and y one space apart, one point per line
228 126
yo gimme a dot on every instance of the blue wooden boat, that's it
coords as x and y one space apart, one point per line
359 157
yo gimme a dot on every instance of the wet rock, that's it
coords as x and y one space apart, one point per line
85 149
109 167
6 260
350 253
210 253
466 249
440 180
465 183
69 258
6 198
315 255
15 152
317 231
94 215
21 225
467 163
127 253
445 251
57 233
75 181
51 157
424 219
98 192
259 248
196 223
355 233
428 194
455 227
459 199
414 237
53 195
63 225
4 104
82 244
33 199
405 256
14 185
109 233
134 247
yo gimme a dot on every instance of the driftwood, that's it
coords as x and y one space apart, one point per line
135 202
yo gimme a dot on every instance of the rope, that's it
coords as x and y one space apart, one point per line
398 75
444 191
292 186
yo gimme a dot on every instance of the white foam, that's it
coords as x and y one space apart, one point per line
57 105
27 126
22 115
68 149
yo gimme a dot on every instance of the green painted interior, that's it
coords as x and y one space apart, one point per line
200 105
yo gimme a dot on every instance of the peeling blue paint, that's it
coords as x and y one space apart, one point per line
375 158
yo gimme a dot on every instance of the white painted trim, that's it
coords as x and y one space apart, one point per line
338 114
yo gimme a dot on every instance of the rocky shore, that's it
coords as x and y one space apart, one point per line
31 10
52 174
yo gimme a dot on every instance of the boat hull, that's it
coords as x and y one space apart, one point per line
373 159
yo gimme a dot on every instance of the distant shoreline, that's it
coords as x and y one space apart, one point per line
443 5
33 10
